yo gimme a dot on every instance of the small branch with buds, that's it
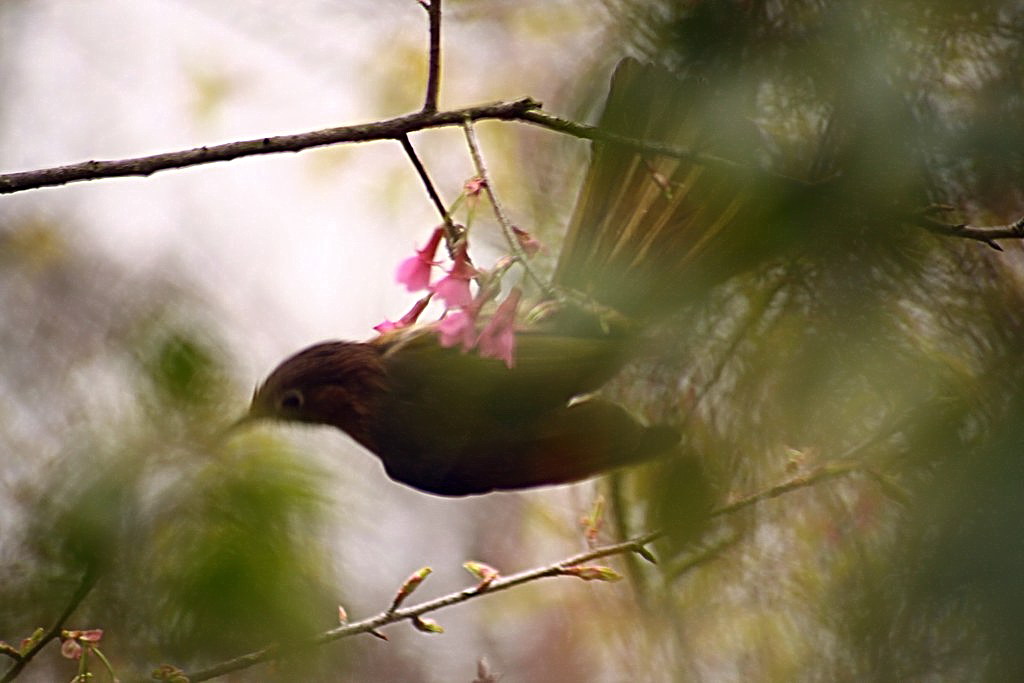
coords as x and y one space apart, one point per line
41 638
491 581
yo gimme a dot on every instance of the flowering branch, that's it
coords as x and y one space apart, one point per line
507 228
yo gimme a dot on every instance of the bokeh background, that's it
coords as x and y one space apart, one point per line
138 313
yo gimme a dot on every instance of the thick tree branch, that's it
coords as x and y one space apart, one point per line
526 110
380 130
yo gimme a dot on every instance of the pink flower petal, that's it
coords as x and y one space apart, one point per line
93 635
454 292
454 288
528 242
474 186
498 343
407 319
71 650
414 272
498 339
456 329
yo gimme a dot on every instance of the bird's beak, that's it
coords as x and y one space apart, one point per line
240 423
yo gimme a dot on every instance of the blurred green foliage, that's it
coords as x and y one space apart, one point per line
183 370
235 558
857 338
204 546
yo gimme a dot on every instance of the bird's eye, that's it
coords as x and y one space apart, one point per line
291 400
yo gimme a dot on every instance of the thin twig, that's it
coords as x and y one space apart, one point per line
700 556
434 68
757 309
848 462
587 132
499 212
829 470
84 586
451 231
388 129
986 234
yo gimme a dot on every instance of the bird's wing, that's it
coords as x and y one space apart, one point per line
549 370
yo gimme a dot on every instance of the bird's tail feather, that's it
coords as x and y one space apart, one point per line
650 229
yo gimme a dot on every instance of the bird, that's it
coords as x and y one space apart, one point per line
454 423
647 230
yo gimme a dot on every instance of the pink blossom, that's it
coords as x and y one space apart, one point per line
454 288
528 242
474 186
71 648
456 329
93 635
498 339
414 272
386 326
407 319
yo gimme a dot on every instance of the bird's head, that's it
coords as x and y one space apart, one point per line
333 383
